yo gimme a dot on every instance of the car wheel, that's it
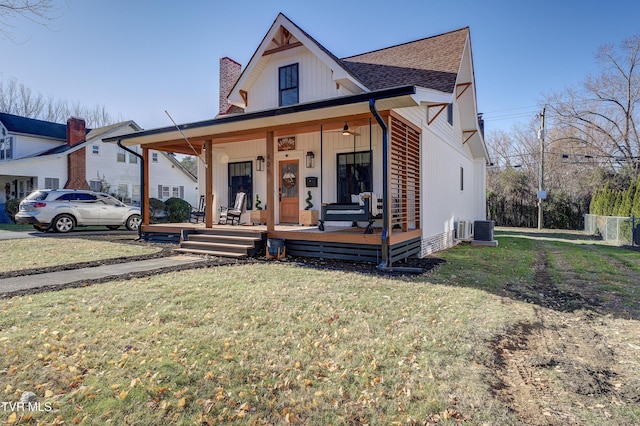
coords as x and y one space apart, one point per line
133 223
113 227
41 228
63 223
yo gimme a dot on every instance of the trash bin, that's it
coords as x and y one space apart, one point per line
275 246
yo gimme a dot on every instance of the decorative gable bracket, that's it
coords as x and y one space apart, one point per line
461 88
282 41
467 134
439 107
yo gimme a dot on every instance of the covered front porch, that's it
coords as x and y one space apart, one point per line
335 242
293 152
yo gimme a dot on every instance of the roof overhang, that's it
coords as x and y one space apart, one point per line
273 119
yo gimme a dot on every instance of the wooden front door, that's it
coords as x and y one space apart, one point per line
288 189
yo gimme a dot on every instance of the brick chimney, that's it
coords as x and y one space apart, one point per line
230 71
77 160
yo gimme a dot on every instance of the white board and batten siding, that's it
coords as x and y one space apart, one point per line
452 182
315 79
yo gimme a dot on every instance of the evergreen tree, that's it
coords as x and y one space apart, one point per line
618 204
608 200
635 206
595 204
627 201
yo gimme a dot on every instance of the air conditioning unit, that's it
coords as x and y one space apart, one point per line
464 231
483 230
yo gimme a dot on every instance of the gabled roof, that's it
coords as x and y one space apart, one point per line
172 158
431 63
296 36
101 131
31 126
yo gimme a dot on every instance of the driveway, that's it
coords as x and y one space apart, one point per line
12 235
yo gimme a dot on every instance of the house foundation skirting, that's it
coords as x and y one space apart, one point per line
437 243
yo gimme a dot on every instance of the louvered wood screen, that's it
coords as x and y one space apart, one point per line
404 176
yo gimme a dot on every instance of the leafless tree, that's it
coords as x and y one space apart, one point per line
603 112
38 11
16 98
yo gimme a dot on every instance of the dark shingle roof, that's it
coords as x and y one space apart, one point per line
431 63
31 126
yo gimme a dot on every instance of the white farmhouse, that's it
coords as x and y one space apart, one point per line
36 154
389 139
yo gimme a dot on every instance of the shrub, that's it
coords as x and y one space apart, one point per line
178 210
12 207
156 208
308 200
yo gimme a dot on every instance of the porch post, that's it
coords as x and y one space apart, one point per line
271 187
208 184
144 201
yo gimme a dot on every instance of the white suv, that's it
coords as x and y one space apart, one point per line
63 209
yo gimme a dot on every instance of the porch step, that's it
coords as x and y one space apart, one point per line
234 242
210 253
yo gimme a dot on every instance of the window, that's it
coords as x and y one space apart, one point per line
154 157
6 148
135 194
241 180
95 149
288 85
51 183
354 175
95 185
165 192
461 178
77 196
450 114
121 157
133 159
123 191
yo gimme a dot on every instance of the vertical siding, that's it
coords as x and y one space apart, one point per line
315 79
443 154
333 143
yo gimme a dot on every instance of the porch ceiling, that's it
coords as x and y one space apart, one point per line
302 118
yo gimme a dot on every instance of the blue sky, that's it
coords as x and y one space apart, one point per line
139 58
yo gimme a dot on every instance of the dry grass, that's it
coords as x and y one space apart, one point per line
45 252
266 343
269 344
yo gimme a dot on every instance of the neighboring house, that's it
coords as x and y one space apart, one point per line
36 154
400 122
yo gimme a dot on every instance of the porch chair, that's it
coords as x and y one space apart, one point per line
198 214
233 213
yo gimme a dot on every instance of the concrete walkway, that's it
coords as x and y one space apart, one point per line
54 279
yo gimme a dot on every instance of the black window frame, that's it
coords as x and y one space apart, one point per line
240 185
346 185
287 85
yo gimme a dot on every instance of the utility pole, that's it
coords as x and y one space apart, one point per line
541 193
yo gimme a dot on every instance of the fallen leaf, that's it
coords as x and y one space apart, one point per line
13 418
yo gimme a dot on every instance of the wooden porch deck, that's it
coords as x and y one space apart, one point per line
347 243
338 234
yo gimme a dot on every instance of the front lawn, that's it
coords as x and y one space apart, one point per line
275 343
40 252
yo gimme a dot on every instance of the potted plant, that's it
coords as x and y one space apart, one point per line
309 217
258 216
